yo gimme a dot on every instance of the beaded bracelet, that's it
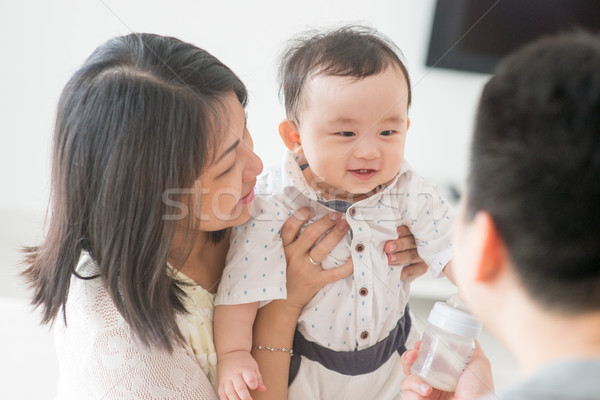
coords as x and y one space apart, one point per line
273 349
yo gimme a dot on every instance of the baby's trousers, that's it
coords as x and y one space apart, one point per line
312 380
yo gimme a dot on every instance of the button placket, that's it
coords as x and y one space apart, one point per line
363 273
363 276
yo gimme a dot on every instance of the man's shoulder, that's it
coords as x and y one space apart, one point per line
573 380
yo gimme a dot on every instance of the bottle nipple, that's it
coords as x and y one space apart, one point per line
454 301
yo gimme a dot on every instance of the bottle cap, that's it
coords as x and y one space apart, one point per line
454 320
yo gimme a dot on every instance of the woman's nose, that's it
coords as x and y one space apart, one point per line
253 164
256 164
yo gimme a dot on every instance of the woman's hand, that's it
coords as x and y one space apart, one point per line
275 323
305 278
403 251
476 380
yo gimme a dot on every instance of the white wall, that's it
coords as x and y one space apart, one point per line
43 43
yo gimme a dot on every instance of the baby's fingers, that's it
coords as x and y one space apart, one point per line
261 386
251 379
228 392
254 380
241 389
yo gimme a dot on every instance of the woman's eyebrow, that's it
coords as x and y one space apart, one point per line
228 150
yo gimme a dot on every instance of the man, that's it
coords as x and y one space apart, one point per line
527 241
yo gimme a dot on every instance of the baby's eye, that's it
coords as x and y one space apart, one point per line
347 134
387 133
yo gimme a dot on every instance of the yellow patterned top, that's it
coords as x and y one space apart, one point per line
199 327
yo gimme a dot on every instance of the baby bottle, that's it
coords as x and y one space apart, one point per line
447 344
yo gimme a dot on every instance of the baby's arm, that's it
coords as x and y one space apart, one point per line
448 271
429 218
403 251
236 369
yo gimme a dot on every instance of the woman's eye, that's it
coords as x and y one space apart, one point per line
387 133
347 134
228 170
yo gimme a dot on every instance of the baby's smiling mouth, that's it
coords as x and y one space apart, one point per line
363 173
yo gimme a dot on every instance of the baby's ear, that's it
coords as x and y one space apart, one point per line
289 134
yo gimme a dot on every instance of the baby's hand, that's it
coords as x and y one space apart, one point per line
237 371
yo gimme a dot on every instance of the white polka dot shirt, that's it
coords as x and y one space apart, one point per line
356 312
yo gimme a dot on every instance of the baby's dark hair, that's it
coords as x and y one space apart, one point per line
535 167
350 51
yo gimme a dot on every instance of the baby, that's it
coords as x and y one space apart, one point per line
347 95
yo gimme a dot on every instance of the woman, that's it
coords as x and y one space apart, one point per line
152 164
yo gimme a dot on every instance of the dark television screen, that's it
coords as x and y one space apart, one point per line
473 35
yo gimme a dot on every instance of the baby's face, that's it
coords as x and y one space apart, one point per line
352 132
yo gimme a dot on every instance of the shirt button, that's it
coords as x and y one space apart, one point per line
363 291
364 335
359 248
352 212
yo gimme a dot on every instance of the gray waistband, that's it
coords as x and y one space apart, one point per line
352 362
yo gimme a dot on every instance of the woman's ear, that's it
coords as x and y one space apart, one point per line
289 134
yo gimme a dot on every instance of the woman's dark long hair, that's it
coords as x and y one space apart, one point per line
137 122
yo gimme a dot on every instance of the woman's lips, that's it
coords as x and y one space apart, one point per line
247 199
363 174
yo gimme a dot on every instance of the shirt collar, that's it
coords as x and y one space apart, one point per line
295 183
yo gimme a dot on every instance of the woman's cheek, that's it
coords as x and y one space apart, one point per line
224 208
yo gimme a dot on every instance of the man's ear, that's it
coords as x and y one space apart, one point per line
407 123
493 254
289 134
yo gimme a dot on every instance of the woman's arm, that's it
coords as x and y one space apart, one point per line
274 326
275 323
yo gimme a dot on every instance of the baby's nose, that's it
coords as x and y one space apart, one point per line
367 148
